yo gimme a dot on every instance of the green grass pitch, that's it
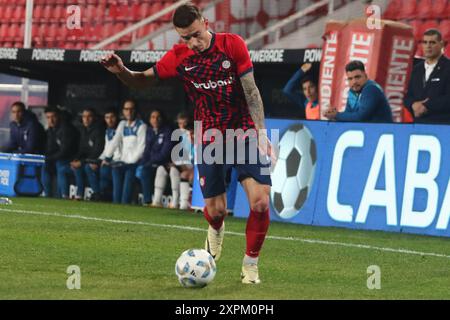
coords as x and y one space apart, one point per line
129 252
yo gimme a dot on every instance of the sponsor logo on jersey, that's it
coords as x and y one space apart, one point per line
213 84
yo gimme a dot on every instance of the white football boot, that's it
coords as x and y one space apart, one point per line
214 241
249 274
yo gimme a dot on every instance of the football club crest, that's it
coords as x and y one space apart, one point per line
226 64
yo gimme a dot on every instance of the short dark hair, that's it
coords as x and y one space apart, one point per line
52 109
182 115
355 65
130 100
161 114
433 32
20 104
112 110
308 79
185 15
91 110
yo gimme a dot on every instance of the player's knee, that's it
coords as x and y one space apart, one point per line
260 204
217 211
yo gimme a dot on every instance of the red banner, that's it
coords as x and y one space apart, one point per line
387 53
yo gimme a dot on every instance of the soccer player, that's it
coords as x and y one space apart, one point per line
217 74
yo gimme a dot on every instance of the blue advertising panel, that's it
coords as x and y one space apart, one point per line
391 177
305 138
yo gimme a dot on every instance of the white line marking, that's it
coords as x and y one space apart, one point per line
172 226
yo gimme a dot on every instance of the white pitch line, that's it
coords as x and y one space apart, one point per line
172 226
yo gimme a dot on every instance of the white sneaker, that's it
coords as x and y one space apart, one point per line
249 274
214 241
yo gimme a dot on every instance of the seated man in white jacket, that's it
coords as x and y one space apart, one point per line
130 140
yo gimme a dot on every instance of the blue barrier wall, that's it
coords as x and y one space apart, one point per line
391 177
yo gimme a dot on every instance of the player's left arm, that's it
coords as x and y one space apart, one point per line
254 100
256 109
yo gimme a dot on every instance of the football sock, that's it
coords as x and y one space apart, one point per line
160 184
250 260
175 184
256 230
216 222
185 190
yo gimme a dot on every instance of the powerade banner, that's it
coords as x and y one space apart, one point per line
390 177
269 56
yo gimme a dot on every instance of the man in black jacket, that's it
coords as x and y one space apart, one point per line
27 135
92 141
61 148
428 96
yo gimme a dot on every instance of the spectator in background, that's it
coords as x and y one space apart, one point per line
130 141
61 147
182 169
90 147
27 135
301 89
99 173
154 164
366 100
428 96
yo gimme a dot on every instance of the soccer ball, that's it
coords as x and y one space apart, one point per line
195 268
293 174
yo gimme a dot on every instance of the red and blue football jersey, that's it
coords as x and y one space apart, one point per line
212 80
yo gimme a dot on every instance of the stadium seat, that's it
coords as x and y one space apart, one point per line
19 33
407 10
4 29
156 7
416 25
424 8
95 34
50 35
61 35
13 32
107 30
135 11
36 32
47 13
38 11
58 14
19 14
8 13
113 11
440 9
447 50
69 45
428 24
123 13
144 10
444 27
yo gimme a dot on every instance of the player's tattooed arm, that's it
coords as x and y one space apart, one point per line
254 100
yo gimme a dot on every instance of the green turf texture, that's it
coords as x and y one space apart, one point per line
128 261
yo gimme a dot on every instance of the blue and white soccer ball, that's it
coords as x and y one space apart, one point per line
195 268
293 174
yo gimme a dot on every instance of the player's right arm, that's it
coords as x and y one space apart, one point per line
136 79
